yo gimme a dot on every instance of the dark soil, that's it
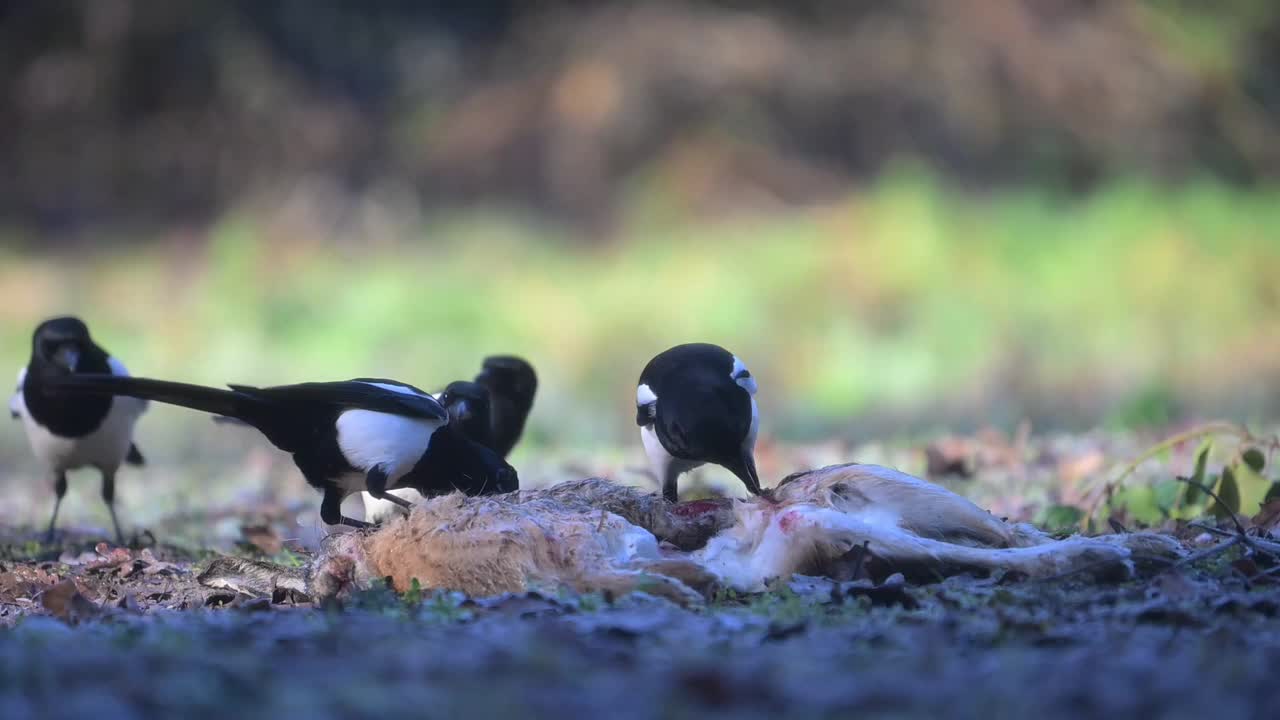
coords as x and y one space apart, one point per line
113 633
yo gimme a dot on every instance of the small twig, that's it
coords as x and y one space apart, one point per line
1210 529
1267 573
1244 537
1267 546
1206 553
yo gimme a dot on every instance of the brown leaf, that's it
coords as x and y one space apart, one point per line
1077 467
949 456
152 566
65 602
111 558
1268 518
262 537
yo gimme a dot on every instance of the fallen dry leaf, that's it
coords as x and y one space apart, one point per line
110 558
65 602
1268 518
949 456
152 566
262 537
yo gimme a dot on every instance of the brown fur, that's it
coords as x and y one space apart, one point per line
594 535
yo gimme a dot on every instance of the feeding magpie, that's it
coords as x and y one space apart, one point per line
73 430
366 434
695 404
491 411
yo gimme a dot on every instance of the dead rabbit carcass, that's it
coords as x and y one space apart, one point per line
596 536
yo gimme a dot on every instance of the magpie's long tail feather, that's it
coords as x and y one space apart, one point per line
196 397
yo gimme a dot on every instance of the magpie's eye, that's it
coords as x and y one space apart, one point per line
743 374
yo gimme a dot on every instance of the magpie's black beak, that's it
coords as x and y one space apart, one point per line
61 352
745 468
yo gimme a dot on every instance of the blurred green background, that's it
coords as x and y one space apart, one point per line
906 216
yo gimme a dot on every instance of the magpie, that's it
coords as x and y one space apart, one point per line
73 430
469 407
365 434
695 404
512 383
491 411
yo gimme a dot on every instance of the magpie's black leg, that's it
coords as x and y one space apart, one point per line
376 483
331 510
669 490
59 489
109 497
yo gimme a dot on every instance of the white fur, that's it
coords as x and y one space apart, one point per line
750 554
370 439
105 448
766 544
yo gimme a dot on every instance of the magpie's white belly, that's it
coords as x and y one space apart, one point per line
370 439
105 448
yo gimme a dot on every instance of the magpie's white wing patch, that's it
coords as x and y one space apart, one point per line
395 443
118 369
402 389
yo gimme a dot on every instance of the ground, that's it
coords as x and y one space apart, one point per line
93 629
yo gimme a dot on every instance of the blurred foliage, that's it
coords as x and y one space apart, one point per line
1241 487
906 306
151 112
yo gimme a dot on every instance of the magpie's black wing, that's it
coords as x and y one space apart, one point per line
707 421
378 395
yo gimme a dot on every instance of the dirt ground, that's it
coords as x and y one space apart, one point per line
90 629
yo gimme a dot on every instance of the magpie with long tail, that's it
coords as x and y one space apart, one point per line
366 434
491 411
695 404
71 430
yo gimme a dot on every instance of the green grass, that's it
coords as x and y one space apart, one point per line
908 298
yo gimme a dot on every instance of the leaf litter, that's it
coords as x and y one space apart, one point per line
130 631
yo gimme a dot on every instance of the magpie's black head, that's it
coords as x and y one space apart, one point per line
685 368
62 343
512 384
468 406
455 462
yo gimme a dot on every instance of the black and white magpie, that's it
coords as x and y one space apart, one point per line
491 411
695 404
73 430
366 434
